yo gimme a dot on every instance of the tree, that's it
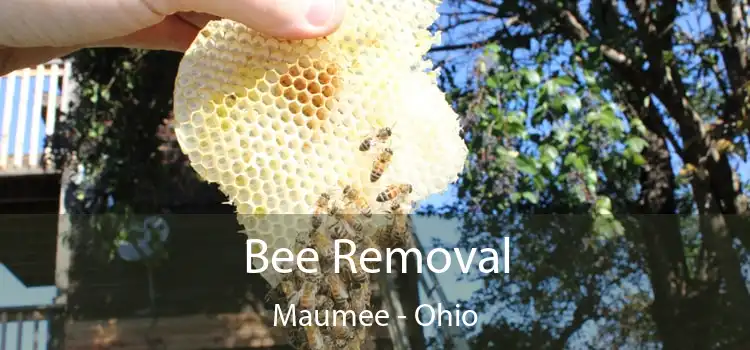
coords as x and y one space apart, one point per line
604 137
118 145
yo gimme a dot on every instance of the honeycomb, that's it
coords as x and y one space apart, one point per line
280 125
276 123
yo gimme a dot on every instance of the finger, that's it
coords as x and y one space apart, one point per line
16 58
41 23
197 19
291 19
172 34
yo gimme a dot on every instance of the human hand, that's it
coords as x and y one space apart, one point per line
33 32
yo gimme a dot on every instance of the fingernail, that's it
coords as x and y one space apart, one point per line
320 12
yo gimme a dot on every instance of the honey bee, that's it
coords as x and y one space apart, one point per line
393 191
382 135
397 233
365 243
338 290
297 337
342 232
340 343
287 289
360 276
315 277
321 207
341 332
399 219
301 242
394 239
359 201
308 295
322 244
324 303
361 335
381 164
347 218
315 339
360 298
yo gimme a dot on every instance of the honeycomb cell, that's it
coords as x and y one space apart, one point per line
295 71
261 210
266 174
290 94
243 208
271 77
300 84
258 199
309 111
272 203
286 80
252 174
299 121
267 187
294 107
321 114
303 97
324 78
285 155
240 180
223 164
309 74
294 195
317 101
304 62
267 100
277 90
328 91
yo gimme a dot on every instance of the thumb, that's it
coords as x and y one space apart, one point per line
290 19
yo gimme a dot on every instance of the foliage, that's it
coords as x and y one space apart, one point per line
113 143
579 116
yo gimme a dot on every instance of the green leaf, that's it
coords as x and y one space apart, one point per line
636 144
603 206
492 82
515 196
526 165
637 125
607 227
591 176
531 197
589 77
492 47
550 88
531 77
551 152
573 160
638 159
539 113
558 105
565 80
572 103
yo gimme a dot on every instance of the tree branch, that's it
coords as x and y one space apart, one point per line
734 55
584 310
